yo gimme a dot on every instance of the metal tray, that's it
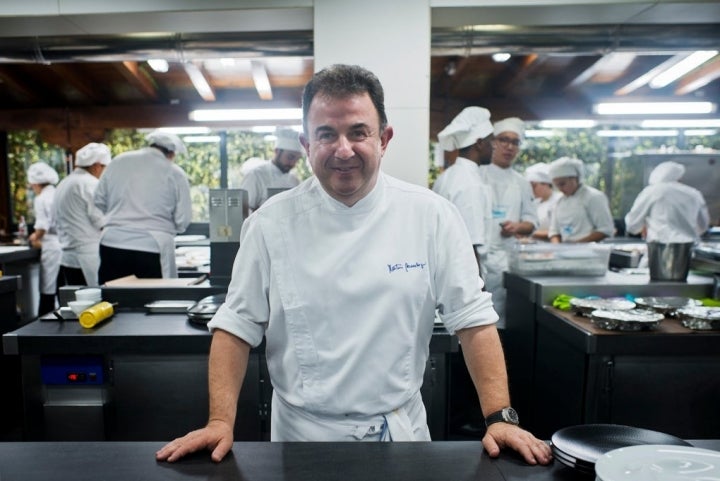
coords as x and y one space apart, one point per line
585 306
169 307
666 305
700 318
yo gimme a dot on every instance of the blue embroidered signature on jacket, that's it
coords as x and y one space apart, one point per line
407 266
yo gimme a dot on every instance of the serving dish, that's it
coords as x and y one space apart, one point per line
700 318
658 463
666 305
585 306
626 320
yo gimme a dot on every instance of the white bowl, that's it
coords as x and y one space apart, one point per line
89 294
79 306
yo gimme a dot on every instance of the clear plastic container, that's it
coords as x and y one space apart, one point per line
546 259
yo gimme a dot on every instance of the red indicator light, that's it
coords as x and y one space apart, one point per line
73 377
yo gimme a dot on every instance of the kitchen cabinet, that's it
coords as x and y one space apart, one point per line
150 375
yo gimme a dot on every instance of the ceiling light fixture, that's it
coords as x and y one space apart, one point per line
501 57
186 130
259 115
159 65
637 133
653 108
567 124
261 80
199 82
684 66
699 132
540 133
680 123
202 139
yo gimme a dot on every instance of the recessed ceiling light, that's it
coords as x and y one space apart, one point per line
501 57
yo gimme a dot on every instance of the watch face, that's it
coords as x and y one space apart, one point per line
510 416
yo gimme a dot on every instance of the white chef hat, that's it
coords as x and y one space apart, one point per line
287 139
41 173
538 173
566 167
466 128
93 153
666 172
511 124
166 140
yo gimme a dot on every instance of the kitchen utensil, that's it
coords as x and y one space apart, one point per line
584 444
585 306
669 262
627 320
205 309
666 305
658 463
700 317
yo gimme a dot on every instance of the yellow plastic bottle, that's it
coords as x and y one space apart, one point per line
94 315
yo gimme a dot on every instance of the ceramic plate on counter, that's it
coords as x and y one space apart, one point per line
585 306
658 463
626 320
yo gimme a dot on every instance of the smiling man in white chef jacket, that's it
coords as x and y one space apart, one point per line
342 276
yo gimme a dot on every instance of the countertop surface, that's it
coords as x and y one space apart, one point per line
261 461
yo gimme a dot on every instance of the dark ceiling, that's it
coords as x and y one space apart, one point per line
73 88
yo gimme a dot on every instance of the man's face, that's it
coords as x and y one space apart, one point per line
506 147
566 185
344 145
285 160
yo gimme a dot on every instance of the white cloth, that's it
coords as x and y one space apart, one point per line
79 223
346 297
146 200
584 212
545 209
673 212
257 181
512 200
462 185
466 128
51 252
166 140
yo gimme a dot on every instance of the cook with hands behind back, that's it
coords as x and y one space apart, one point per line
668 211
582 214
145 197
469 133
79 221
347 308
42 179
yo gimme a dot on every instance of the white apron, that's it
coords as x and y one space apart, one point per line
89 261
166 243
50 256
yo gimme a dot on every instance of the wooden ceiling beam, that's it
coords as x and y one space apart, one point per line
135 76
18 86
82 84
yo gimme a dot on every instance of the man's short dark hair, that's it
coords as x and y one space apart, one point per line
339 81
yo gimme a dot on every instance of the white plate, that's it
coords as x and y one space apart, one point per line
654 462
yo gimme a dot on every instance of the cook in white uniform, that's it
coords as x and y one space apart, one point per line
342 276
545 197
668 211
145 197
470 133
513 211
583 213
42 179
79 221
275 173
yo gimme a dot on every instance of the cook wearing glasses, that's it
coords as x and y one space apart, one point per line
513 211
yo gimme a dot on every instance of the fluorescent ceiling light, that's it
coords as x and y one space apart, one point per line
185 130
680 123
261 80
567 124
540 133
267 129
501 57
261 115
684 66
159 64
199 82
653 108
202 139
699 132
637 133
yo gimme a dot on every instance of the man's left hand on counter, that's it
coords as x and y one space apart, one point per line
504 435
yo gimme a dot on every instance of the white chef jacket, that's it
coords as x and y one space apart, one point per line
257 181
545 208
146 200
51 251
512 199
346 298
79 223
584 212
462 185
673 212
